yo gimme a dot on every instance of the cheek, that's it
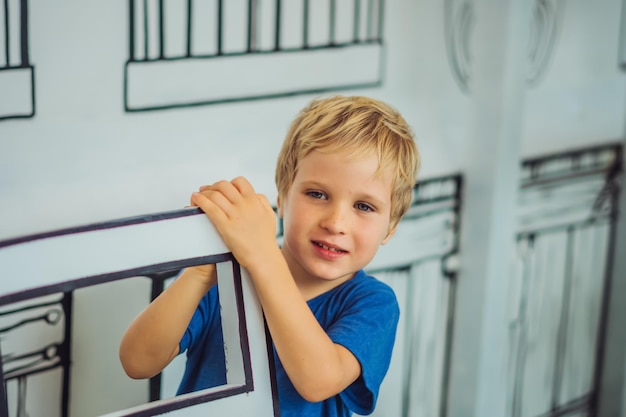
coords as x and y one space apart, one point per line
371 234
292 222
293 211
385 233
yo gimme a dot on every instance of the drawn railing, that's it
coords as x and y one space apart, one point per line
48 346
74 291
263 25
568 212
245 50
15 25
567 216
37 337
420 264
17 80
430 229
558 299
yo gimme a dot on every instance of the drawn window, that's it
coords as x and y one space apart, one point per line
184 53
17 75
75 288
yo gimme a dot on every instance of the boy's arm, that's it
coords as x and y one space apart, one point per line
152 339
317 367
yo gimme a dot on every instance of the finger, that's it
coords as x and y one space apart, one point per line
265 202
221 200
243 186
227 189
201 189
213 211
215 186
211 186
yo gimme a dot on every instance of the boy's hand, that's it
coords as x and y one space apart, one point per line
243 218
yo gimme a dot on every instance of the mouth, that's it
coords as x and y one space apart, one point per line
325 246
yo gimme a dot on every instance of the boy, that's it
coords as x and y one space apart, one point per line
345 178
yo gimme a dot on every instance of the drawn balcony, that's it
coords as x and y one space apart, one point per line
566 238
17 74
213 51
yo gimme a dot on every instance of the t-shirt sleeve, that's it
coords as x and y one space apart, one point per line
202 341
204 314
367 328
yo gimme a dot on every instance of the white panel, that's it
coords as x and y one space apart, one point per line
101 315
479 356
16 92
416 373
291 24
79 255
15 28
103 310
153 29
587 283
363 19
230 330
139 30
543 318
3 51
434 237
266 25
319 23
175 22
46 386
225 78
235 26
390 397
203 27
427 339
344 23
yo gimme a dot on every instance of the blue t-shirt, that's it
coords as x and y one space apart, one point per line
361 314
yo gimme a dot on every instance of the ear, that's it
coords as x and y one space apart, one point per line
279 207
390 234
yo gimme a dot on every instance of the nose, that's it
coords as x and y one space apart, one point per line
334 219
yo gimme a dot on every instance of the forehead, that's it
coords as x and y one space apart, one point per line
346 159
339 158
347 171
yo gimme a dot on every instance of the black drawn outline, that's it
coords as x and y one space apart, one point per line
24 58
53 355
459 21
66 288
373 36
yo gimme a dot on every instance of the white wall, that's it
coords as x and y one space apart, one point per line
581 98
82 159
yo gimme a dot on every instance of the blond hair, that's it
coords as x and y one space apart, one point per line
358 125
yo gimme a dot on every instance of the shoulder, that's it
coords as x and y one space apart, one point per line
364 291
366 285
362 295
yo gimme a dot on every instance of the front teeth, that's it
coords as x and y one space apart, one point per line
329 248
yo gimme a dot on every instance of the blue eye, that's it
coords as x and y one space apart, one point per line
316 194
364 207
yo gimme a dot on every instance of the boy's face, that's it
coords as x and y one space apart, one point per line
335 216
